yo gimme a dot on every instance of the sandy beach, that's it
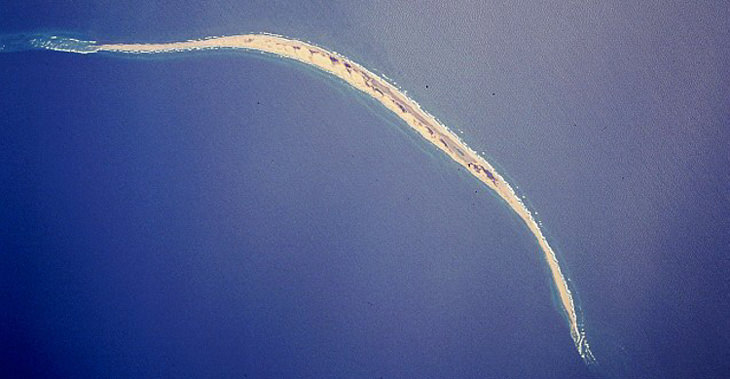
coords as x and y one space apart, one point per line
408 110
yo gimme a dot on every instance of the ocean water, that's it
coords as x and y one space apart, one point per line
229 214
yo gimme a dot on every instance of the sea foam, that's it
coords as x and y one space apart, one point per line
22 42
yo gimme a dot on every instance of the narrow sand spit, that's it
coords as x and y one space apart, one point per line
395 100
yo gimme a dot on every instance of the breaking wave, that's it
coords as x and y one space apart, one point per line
21 42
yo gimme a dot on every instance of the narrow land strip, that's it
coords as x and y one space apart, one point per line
397 101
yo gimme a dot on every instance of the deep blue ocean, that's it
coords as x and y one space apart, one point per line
228 214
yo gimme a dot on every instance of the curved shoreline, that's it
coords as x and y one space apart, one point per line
387 94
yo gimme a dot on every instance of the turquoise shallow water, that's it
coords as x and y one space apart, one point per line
254 247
